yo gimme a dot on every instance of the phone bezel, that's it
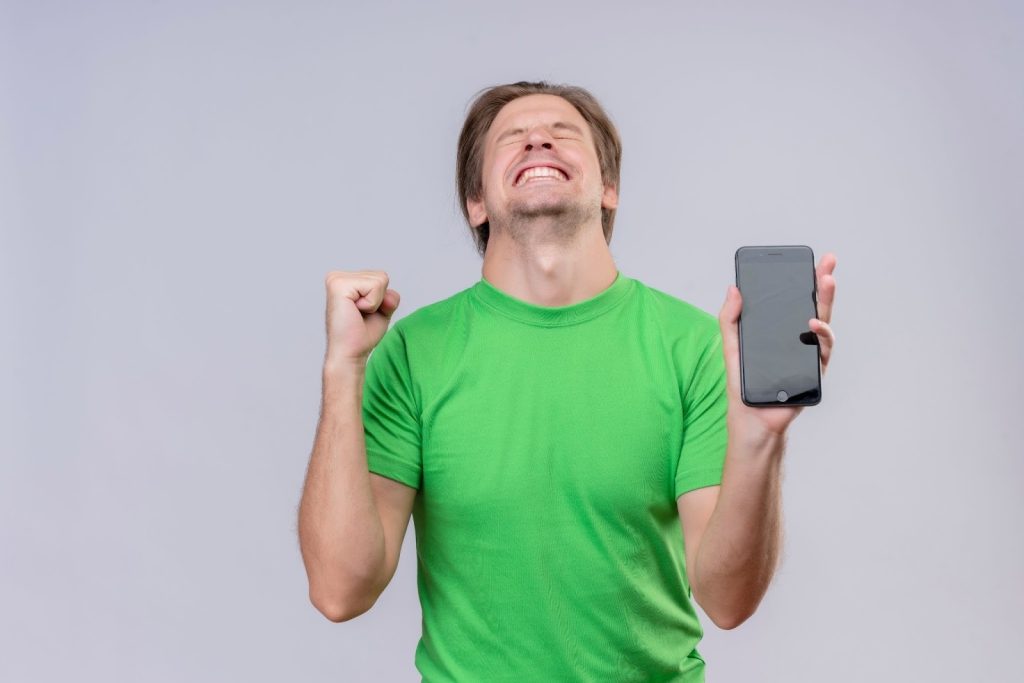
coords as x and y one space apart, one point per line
746 252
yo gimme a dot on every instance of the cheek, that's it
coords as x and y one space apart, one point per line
491 176
587 164
499 167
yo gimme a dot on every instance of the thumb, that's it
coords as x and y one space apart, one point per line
389 302
728 318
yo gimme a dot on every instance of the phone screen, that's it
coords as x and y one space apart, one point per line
779 355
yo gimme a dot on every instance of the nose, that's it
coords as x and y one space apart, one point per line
539 137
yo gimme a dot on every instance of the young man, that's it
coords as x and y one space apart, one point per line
570 442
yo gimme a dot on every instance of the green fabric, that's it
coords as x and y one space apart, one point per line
549 445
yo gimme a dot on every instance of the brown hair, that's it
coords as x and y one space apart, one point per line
482 112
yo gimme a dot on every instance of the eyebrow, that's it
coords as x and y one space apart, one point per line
563 125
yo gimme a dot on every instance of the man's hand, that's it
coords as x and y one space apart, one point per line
776 419
359 310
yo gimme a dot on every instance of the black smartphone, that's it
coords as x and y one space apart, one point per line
780 360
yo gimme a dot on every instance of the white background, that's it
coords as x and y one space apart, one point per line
176 178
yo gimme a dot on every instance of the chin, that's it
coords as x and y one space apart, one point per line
542 207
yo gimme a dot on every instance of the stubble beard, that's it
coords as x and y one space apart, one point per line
558 223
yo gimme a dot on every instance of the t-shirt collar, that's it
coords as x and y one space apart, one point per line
552 316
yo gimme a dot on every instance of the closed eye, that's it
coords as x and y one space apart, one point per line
516 141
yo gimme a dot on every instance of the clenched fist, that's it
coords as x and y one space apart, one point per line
359 308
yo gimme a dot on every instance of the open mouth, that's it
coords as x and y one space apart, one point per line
538 172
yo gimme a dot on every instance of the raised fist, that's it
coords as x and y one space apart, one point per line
359 309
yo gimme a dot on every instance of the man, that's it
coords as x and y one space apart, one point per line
570 443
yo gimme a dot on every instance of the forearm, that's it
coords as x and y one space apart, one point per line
740 547
340 531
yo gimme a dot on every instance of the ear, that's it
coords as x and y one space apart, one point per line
610 198
477 212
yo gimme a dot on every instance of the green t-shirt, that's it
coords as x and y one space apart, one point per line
548 446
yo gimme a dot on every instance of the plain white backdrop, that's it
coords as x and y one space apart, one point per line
176 179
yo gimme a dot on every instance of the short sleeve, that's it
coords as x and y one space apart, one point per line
705 406
391 420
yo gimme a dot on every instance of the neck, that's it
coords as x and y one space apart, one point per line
550 273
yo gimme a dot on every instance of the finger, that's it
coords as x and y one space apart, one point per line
370 291
826 339
826 265
826 297
826 284
389 302
727 322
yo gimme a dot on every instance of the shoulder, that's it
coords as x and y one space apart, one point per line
432 319
692 336
427 335
678 317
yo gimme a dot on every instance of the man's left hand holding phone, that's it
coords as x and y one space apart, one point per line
748 422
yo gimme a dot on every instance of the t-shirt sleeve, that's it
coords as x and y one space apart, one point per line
391 420
705 405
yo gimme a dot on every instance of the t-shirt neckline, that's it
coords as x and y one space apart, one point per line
552 316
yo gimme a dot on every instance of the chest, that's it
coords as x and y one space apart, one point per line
553 427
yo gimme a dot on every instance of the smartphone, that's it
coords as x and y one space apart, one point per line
780 360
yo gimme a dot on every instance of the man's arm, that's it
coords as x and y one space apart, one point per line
341 534
351 521
733 532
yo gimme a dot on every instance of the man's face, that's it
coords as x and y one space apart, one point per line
540 161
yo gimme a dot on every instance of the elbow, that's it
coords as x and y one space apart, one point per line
343 601
339 610
726 618
336 613
728 622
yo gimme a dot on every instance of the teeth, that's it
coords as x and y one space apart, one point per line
540 172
